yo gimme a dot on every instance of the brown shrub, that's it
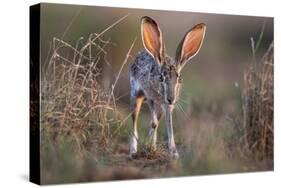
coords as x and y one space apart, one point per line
76 107
258 106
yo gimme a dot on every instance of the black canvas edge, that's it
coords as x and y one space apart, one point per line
34 92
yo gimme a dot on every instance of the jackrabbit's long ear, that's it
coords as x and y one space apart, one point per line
152 39
190 44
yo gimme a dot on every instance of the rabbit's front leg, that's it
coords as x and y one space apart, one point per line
169 126
156 114
136 106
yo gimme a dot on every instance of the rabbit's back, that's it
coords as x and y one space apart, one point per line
142 65
144 77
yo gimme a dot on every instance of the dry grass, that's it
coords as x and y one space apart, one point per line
75 105
73 100
258 108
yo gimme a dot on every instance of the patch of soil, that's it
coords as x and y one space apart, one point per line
147 164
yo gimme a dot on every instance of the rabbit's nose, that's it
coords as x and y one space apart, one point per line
170 100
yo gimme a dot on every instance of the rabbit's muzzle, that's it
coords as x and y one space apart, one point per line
171 91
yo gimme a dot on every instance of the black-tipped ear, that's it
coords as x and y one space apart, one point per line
190 44
152 39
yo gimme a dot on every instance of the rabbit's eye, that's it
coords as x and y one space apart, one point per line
161 78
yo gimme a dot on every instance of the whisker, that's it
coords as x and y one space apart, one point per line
179 108
182 109
185 113
184 101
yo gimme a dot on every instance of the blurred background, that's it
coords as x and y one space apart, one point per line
211 96
210 76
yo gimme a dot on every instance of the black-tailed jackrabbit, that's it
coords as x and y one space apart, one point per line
155 77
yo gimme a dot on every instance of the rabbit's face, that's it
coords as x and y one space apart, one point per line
170 80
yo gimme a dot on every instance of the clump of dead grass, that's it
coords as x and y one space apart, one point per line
76 108
257 108
73 99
